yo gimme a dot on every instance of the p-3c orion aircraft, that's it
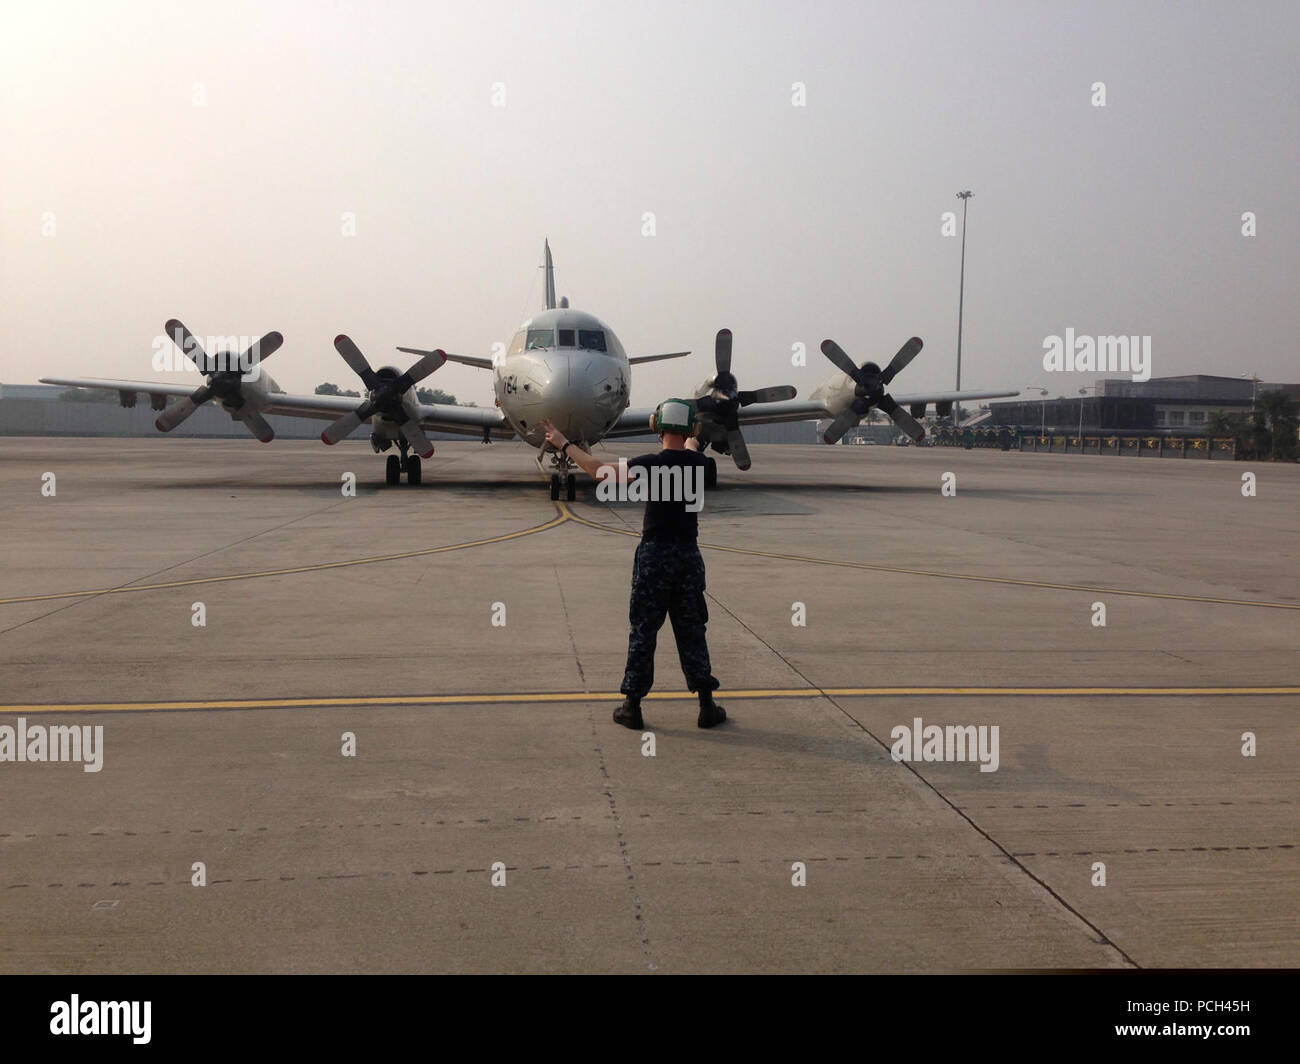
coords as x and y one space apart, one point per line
563 365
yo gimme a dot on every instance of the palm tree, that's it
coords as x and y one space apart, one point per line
1276 421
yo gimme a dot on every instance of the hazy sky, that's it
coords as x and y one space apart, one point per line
787 224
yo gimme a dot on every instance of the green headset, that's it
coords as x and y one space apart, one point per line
679 417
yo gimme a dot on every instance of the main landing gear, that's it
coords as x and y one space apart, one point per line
406 463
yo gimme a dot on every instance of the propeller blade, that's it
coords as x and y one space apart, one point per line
722 351
416 438
740 452
347 424
779 394
178 412
902 418
905 355
840 426
341 429
258 426
356 360
184 339
421 369
262 349
842 362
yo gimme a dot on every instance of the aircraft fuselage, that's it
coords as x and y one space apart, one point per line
565 366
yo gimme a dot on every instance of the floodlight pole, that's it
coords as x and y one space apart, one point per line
961 298
1083 392
1042 428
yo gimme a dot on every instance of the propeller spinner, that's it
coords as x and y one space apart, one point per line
386 387
870 382
725 398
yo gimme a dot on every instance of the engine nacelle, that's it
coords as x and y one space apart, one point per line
943 409
917 410
126 399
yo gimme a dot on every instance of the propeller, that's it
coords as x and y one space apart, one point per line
225 380
870 382
725 398
386 387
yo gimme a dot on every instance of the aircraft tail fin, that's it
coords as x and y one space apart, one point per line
550 279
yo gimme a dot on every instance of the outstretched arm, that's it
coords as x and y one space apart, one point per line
588 463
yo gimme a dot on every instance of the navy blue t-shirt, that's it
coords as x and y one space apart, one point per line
667 521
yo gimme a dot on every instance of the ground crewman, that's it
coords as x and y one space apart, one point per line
668 573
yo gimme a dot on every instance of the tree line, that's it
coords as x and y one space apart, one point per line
1269 431
424 395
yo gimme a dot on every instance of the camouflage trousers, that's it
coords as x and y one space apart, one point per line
667 580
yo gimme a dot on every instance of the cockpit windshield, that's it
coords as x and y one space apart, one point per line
540 339
591 339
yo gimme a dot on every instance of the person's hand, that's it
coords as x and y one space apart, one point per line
553 435
692 443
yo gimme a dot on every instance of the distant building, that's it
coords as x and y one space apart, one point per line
1174 404
31 391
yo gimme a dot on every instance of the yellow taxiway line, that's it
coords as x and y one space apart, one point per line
565 515
533 697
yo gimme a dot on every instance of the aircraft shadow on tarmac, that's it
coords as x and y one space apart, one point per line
735 732
1031 769
735 495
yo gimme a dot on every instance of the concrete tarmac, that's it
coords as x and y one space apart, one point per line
481 746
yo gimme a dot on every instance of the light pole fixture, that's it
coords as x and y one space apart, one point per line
1082 393
1254 389
961 297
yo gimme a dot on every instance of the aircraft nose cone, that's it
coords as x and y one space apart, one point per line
567 401
582 396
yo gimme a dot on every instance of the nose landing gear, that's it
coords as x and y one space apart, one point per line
563 478
570 486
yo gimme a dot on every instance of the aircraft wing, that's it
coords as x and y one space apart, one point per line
636 360
147 387
637 422
463 420
316 406
440 417
945 397
464 360
486 363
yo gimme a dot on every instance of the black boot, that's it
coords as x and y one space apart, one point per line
710 712
629 714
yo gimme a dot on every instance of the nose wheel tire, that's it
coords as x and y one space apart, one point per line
555 486
413 469
570 487
393 470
